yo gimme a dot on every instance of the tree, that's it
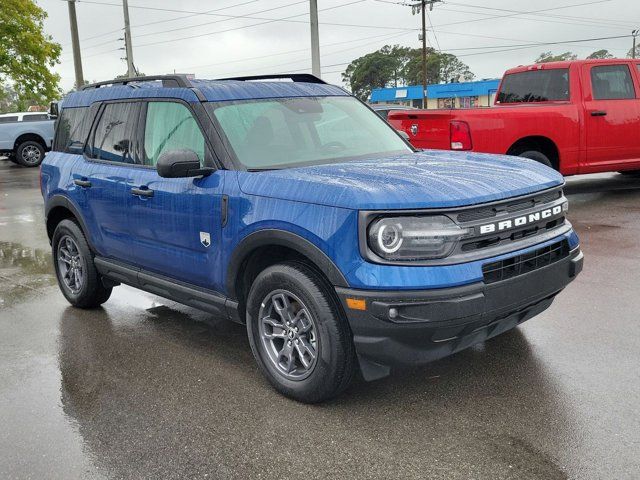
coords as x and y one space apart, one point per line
600 54
630 52
27 53
373 70
8 99
550 57
398 66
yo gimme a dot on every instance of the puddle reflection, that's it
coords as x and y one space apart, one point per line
24 272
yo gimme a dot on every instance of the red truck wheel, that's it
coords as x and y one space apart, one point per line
537 156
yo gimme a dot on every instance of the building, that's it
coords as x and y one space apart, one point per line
445 95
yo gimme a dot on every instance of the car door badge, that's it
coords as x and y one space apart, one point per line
205 239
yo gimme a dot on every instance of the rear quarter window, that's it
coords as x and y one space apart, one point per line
8 119
72 130
535 86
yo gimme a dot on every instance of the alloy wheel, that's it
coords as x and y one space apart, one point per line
31 154
288 334
70 264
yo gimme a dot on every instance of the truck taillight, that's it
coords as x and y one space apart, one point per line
460 135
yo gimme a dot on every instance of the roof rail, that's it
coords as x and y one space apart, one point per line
168 81
295 77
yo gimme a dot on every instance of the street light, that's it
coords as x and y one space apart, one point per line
634 34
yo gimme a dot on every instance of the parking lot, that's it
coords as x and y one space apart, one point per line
147 388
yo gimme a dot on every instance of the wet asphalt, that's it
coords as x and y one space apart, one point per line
147 388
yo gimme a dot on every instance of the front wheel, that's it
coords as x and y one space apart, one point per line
298 334
78 278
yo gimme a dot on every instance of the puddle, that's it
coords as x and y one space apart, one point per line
24 272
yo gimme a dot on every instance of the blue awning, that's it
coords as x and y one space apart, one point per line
443 90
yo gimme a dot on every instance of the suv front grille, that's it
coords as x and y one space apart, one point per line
509 210
525 263
513 206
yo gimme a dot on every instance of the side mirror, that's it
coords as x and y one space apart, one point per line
180 164
53 109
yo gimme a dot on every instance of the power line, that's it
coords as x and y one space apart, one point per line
433 31
385 35
231 17
522 17
191 14
512 48
236 72
566 42
285 19
510 15
266 20
595 20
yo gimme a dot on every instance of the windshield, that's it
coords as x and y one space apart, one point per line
535 86
287 132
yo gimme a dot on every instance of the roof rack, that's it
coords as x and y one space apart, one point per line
168 81
295 77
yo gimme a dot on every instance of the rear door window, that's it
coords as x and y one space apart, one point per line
612 82
171 126
535 86
114 135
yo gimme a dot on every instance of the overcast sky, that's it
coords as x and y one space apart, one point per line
225 42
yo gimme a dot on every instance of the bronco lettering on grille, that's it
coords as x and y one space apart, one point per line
520 221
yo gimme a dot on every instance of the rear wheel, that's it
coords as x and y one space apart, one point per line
535 155
78 278
298 334
29 154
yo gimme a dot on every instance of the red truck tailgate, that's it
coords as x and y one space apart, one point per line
426 129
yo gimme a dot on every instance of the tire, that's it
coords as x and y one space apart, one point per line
535 155
29 154
322 329
85 290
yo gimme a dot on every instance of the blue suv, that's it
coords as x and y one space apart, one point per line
291 207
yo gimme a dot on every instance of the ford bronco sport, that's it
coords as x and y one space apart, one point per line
291 207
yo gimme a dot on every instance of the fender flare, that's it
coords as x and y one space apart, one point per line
62 201
282 238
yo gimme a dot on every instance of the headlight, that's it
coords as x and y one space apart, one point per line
414 238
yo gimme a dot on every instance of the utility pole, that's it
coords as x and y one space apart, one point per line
75 42
422 5
131 70
424 54
315 38
634 34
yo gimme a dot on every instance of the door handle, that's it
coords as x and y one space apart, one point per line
598 113
82 183
143 192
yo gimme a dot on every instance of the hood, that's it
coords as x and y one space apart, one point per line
426 179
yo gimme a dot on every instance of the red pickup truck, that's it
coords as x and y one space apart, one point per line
578 117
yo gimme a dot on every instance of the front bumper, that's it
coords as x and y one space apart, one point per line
408 328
